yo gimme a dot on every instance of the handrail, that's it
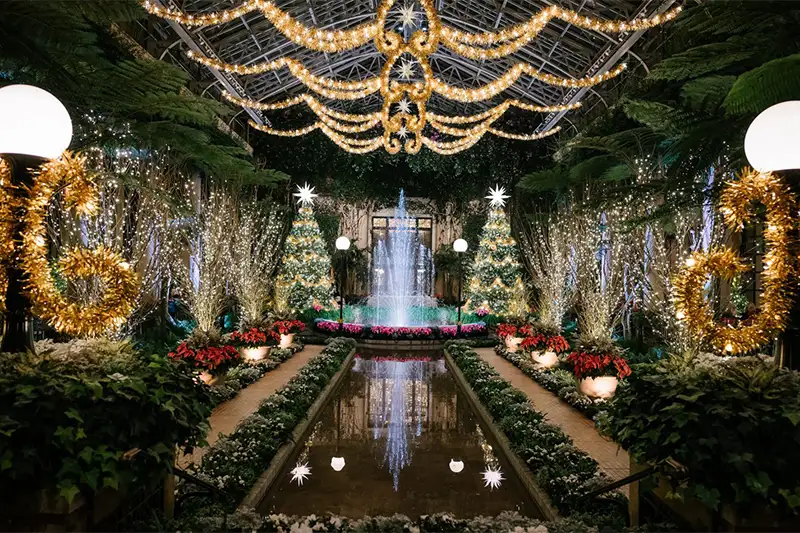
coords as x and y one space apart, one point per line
621 482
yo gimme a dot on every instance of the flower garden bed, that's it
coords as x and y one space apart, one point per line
247 373
362 331
563 471
237 460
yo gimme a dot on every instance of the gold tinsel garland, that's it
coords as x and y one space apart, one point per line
735 205
118 280
8 204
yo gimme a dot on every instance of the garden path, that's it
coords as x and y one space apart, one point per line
226 416
612 460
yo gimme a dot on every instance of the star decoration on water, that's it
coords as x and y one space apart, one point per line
492 478
305 195
403 132
497 196
404 106
301 472
408 17
406 69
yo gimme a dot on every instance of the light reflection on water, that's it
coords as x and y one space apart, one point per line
398 424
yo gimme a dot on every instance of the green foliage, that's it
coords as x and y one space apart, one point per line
67 422
304 275
773 82
733 424
496 274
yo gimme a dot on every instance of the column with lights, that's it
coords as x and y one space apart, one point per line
496 276
304 277
35 128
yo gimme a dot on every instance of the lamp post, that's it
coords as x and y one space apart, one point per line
34 128
342 244
459 246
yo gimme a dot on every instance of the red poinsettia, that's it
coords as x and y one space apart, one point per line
211 358
532 343
252 338
556 343
288 327
592 365
506 330
527 330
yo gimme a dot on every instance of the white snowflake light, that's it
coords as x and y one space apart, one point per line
404 106
301 472
492 478
403 132
408 17
305 195
406 69
497 196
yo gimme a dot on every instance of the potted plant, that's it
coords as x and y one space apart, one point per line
598 367
287 329
508 332
253 340
207 351
544 344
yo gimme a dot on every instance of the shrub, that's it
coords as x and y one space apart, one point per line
72 423
733 425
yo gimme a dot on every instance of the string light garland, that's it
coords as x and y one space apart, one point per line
115 275
410 57
776 302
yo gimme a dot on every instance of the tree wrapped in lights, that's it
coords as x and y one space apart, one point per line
305 272
204 280
254 252
547 248
604 255
136 200
496 274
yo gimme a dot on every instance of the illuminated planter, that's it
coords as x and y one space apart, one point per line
546 359
602 387
211 379
254 354
287 340
512 343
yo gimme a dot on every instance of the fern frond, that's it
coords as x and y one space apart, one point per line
773 82
705 95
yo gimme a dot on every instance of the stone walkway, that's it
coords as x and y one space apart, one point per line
612 459
227 415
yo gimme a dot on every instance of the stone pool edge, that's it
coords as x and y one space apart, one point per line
261 487
538 495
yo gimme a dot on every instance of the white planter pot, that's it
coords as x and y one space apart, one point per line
512 343
287 340
546 359
254 354
212 380
602 387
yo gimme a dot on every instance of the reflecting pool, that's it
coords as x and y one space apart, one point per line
398 437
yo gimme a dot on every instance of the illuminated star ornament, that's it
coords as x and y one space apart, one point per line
497 196
301 472
406 69
403 132
404 106
408 17
305 195
492 478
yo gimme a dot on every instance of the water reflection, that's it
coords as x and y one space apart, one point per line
398 437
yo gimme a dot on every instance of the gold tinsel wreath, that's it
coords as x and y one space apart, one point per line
8 204
735 205
118 280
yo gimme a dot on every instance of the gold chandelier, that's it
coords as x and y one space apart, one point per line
402 128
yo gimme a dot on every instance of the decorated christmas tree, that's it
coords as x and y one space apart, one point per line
496 275
304 278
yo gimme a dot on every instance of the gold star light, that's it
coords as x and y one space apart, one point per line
408 17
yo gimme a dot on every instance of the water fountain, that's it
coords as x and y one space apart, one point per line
403 274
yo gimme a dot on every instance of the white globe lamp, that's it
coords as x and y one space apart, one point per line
456 466
772 140
337 463
460 245
33 122
342 243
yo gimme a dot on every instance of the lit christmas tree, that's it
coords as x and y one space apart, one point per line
304 280
496 282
